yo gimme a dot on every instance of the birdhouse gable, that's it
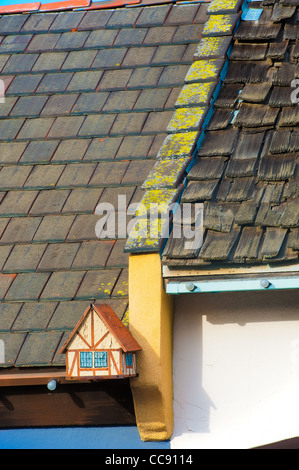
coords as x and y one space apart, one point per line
100 346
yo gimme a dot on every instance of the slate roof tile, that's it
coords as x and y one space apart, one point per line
67 21
69 150
128 124
24 258
54 82
134 147
24 84
91 20
39 23
137 57
12 23
180 15
3 60
39 348
43 176
117 256
15 43
57 256
49 62
53 228
78 61
82 81
9 128
20 63
159 35
9 313
120 101
145 77
27 286
28 106
76 174
13 343
98 38
14 176
109 58
93 253
34 316
152 16
82 200
62 285
66 126
34 128
7 106
123 18
43 43
72 40
58 104
17 203
49 202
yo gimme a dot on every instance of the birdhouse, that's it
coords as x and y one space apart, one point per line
100 346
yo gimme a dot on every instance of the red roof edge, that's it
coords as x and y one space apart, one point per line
65 5
111 4
38 6
23 7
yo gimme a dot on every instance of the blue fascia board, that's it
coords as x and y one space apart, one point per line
233 285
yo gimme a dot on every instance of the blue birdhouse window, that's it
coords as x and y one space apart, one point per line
85 360
100 360
129 360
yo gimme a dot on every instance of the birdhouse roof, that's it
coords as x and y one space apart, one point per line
114 325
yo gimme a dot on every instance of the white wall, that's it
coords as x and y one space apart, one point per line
236 369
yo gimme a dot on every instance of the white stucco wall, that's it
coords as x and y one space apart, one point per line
236 369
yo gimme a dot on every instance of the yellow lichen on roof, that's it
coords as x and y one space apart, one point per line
165 172
210 46
202 70
218 24
148 232
178 144
222 5
155 198
195 94
186 118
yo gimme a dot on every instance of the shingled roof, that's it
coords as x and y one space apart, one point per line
245 171
88 97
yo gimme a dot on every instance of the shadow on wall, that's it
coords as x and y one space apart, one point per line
250 307
187 376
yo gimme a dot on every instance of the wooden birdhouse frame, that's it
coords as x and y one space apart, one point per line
100 346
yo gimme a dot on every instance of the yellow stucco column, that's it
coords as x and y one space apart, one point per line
151 314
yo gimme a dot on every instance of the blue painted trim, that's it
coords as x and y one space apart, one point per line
195 287
251 14
116 437
224 68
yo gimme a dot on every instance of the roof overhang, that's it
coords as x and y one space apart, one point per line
258 283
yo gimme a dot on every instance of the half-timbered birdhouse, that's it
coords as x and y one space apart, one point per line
100 346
